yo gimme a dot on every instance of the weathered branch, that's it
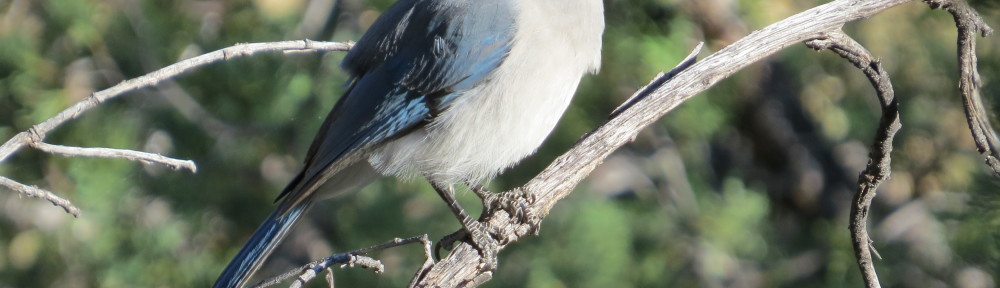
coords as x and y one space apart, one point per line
462 268
970 25
138 156
35 192
879 159
35 135
309 271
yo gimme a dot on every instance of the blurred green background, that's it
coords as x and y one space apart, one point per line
746 185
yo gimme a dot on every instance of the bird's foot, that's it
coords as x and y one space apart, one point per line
448 242
515 203
491 201
477 232
485 243
480 238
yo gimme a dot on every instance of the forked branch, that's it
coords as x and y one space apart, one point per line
35 135
309 271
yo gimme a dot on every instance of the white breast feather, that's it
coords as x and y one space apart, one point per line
505 119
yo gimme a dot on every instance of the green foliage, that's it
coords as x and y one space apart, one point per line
746 185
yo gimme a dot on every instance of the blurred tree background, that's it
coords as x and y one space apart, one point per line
747 185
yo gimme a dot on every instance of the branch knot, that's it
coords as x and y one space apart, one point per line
34 136
94 100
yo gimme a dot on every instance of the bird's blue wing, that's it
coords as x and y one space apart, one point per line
414 60
442 43
417 57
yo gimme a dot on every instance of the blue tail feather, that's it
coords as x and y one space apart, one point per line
259 247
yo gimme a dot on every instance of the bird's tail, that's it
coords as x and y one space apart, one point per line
261 244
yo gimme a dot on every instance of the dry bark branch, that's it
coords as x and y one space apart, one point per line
35 135
138 156
463 267
970 24
309 271
35 192
878 167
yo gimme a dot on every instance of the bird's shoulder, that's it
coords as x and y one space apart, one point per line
436 44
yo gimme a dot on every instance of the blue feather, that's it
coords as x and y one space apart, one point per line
406 71
415 59
261 244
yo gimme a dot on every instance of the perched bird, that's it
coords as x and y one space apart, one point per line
454 91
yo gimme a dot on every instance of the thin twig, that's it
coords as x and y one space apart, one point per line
35 192
879 159
307 272
351 261
659 80
428 261
138 156
970 25
155 77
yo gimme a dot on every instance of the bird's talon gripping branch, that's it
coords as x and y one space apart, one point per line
477 232
480 237
448 242
488 198
516 204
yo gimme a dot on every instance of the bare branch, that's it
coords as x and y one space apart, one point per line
35 135
878 168
155 77
350 260
138 156
970 24
35 192
309 271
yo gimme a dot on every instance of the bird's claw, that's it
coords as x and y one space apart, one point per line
515 204
448 242
486 245
479 238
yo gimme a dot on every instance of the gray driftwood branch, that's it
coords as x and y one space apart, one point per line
35 135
